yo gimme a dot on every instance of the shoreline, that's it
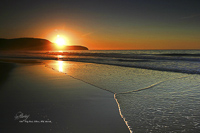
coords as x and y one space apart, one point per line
114 95
79 107
126 122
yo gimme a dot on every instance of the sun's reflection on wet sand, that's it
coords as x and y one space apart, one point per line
60 66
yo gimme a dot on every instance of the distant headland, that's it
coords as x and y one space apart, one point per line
76 48
32 44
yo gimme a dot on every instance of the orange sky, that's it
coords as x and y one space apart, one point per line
104 25
105 41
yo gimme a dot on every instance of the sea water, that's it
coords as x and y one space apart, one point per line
157 91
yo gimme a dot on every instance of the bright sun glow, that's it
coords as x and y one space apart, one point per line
60 41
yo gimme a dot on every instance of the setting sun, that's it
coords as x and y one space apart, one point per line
60 41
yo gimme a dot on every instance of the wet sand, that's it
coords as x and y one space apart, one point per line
43 101
5 69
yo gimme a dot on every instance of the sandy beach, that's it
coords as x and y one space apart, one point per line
34 98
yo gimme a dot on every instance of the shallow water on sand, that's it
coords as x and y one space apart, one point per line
54 102
158 90
150 101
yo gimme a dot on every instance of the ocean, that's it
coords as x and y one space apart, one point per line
156 90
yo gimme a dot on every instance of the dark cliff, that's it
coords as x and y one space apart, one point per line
32 44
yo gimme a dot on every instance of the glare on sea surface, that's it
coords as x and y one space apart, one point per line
60 56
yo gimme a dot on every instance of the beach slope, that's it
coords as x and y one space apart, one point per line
38 99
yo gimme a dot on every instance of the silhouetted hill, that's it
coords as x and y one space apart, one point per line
76 48
32 44
25 44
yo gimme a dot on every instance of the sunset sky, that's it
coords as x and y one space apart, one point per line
105 24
